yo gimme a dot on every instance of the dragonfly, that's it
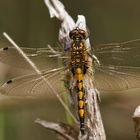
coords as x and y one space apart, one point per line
119 70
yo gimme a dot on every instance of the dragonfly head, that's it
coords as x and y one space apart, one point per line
78 34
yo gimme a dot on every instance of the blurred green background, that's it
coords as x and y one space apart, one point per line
29 24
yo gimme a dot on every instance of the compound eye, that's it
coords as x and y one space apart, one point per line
73 33
83 34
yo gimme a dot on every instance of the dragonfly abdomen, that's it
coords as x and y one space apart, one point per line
79 69
80 97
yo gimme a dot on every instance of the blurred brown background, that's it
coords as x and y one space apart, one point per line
29 24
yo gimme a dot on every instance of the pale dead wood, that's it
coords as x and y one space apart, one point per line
93 121
66 131
136 119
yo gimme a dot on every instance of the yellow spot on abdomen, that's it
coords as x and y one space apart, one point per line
79 77
78 71
81 113
80 94
80 85
81 104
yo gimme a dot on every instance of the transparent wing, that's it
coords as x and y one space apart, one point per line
34 85
37 84
10 56
12 64
21 79
120 66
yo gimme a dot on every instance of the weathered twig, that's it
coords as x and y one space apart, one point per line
136 119
94 130
65 130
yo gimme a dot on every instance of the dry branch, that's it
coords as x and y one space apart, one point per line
95 129
66 131
136 119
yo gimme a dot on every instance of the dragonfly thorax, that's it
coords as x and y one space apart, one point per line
77 45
